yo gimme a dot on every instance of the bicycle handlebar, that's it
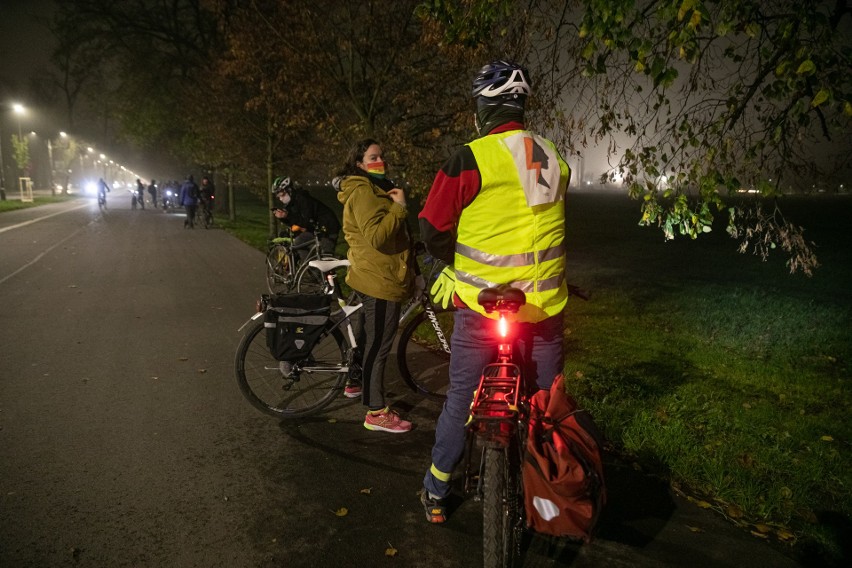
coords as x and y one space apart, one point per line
578 292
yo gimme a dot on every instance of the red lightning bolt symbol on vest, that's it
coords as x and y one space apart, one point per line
528 144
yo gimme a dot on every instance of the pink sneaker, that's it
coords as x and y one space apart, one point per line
386 421
352 390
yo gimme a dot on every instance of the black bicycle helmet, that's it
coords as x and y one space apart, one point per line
503 80
282 183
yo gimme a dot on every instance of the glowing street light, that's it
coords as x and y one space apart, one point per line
19 109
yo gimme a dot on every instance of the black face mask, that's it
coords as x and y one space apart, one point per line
490 116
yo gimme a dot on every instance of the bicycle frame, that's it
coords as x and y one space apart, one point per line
327 267
421 300
292 267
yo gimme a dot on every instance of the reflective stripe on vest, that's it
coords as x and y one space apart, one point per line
513 231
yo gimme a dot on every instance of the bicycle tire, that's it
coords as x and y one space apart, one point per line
500 502
423 362
278 277
321 378
310 280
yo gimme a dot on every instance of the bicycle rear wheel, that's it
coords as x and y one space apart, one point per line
315 382
501 530
278 275
423 353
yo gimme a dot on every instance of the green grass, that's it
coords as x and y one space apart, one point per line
14 204
725 375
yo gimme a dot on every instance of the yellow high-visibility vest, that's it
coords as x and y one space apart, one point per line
513 231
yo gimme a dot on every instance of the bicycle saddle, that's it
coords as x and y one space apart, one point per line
503 297
328 265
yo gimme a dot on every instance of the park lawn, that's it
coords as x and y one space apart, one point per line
14 204
725 375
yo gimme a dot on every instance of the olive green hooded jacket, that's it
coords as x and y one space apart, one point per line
379 242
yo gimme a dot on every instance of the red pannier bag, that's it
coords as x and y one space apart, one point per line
564 490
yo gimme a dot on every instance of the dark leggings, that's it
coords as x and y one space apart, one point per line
380 322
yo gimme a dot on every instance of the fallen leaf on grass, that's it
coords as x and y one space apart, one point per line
703 504
762 528
695 529
366 491
341 512
785 535
332 420
734 512
827 439
390 550
759 534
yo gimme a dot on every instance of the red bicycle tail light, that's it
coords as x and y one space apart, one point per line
503 326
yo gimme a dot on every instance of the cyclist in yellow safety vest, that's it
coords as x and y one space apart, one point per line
496 215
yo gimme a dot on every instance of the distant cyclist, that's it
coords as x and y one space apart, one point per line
140 193
103 188
208 193
189 196
152 190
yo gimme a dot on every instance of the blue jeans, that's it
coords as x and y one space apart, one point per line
539 347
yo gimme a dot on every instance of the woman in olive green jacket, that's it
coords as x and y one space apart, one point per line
374 225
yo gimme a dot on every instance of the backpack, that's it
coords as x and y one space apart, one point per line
294 323
564 490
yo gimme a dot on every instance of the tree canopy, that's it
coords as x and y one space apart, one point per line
694 101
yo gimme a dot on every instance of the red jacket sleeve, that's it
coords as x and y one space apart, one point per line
456 185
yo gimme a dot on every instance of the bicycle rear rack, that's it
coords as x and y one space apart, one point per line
494 410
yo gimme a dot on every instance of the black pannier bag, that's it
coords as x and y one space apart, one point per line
293 324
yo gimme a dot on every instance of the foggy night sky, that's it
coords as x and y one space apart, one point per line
25 44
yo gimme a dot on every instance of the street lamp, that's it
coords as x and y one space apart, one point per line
19 110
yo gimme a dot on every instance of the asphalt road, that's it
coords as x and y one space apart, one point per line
124 440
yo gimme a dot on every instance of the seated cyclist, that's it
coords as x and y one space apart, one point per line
103 187
300 208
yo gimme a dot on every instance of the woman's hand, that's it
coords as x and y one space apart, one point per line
280 213
397 195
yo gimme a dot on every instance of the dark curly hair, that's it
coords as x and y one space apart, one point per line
356 154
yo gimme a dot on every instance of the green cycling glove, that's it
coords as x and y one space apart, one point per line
442 289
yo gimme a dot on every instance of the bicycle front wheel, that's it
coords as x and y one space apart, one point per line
423 353
284 391
501 532
278 276
310 280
